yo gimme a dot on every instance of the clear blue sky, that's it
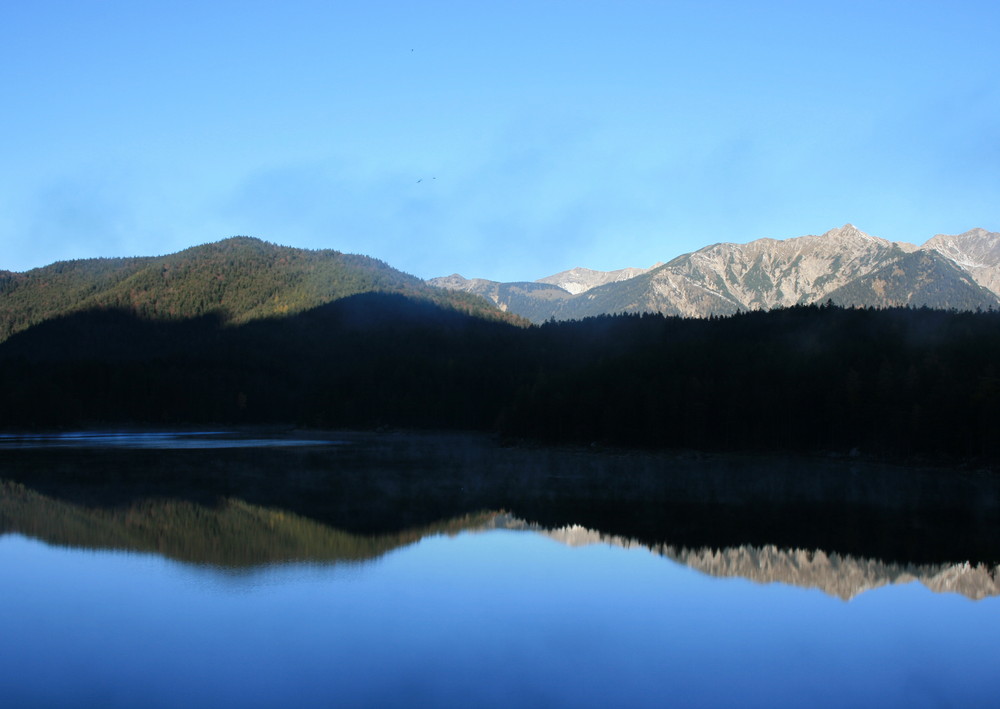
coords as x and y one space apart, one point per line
505 140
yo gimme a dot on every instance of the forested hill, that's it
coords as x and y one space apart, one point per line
239 279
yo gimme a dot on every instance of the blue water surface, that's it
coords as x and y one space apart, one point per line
487 619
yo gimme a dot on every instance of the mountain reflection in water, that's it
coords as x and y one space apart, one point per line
414 570
384 485
235 535
836 575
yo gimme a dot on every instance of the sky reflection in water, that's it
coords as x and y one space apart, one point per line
499 618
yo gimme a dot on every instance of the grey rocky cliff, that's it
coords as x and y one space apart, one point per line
922 278
769 273
534 301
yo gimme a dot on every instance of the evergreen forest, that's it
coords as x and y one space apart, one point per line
913 384
238 280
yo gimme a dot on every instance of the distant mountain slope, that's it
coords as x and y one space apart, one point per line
923 278
767 273
724 278
977 251
535 301
657 291
579 280
240 279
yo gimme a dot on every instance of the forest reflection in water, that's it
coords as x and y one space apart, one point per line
402 570
234 536
246 499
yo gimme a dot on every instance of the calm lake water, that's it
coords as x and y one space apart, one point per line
123 583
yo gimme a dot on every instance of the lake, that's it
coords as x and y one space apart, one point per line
262 569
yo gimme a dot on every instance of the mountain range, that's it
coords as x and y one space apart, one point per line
245 331
845 266
242 279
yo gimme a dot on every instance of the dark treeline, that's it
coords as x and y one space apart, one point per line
899 382
362 361
810 378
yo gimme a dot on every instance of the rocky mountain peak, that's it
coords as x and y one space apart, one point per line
726 277
579 280
977 251
458 282
849 232
977 246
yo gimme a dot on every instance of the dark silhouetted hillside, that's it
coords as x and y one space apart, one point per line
898 382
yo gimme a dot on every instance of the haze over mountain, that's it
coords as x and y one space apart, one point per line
845 265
